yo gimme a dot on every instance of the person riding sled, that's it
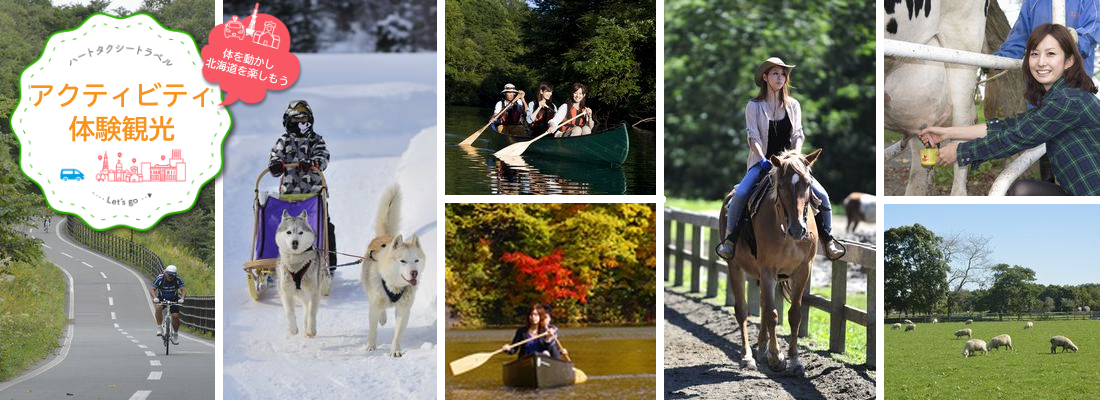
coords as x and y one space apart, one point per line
774 123
302 145
511 121
541 110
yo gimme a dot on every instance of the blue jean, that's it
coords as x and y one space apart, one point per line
744 189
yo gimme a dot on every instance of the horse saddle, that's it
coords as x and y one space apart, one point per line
756 196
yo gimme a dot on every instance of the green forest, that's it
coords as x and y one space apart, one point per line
920 278
593 264
609 46
711 50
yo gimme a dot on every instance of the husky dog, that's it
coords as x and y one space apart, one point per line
390 270
301 270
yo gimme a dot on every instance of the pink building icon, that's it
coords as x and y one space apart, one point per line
174 171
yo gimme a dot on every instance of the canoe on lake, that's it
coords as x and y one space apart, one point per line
538 372
604 147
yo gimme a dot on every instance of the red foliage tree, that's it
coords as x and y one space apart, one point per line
546 277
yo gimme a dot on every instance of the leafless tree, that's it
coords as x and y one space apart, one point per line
968 257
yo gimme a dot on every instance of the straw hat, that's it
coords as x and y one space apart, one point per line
767 65
509 88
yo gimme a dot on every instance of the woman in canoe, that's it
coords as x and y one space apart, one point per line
576 104
774 123
534 327
541 110
511 121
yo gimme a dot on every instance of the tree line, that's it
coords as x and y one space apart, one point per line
591 263
711 51
930 274
609 46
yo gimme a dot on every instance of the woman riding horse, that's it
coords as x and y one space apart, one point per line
774 122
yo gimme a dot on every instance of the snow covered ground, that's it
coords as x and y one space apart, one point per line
377 115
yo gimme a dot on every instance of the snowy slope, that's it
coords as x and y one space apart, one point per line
375 124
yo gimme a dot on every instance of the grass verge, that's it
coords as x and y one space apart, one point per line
198 276
32 314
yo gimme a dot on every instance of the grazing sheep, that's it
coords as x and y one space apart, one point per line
897 325
935 320
969 321
973 346
1029 325
1001 340
963 332
910 327
908 322
1063 342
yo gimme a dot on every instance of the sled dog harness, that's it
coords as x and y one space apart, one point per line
394 297
297 276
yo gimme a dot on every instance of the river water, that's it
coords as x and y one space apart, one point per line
474 170
620 362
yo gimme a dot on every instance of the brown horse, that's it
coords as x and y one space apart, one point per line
786 238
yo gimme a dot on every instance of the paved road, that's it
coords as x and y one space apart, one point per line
110 348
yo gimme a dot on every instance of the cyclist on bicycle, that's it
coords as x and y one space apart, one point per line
168 287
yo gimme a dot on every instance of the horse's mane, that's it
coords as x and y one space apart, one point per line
789 159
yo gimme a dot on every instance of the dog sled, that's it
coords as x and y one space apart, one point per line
261 269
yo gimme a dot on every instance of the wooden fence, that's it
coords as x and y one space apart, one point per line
698 256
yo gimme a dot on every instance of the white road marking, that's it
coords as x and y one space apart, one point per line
116 326
149 354
154 375
108 287
66 254
103 274
141 395
143 346
113 316
87 265
46 246
110 301
154 363
134 340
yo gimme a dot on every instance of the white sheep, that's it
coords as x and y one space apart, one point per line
1029 325
935 320
963 332
1001 340
910 327
969 321
1063 342
907 322
897 325
973 346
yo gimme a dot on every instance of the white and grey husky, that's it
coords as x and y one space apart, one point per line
391 267
302 273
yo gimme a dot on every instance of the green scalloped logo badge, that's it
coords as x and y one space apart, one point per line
117 124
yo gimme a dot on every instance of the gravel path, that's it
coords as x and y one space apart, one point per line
701 342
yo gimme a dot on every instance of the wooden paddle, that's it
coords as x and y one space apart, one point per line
470 140
516 149
465 364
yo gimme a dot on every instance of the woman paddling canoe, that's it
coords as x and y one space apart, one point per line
576 104
538 322
511 121
541 110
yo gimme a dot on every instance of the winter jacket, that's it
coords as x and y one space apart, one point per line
299 147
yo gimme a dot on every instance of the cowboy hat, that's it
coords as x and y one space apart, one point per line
767 65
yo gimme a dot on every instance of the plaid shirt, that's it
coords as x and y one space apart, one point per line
1067 120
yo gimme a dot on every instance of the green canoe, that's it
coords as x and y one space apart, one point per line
605 147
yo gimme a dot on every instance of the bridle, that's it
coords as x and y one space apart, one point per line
781 208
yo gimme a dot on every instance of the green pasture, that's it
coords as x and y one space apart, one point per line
927 363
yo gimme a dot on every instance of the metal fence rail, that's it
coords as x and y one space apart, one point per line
677 255
197 312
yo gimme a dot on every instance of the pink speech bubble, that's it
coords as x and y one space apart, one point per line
250 56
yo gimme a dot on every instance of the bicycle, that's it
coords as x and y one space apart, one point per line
166 319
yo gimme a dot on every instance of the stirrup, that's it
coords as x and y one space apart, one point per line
732 241
843 249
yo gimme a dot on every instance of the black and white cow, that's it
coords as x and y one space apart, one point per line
919 94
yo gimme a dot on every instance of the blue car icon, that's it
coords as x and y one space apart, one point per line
71 174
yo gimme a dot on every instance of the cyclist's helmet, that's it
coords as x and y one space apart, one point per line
170 270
